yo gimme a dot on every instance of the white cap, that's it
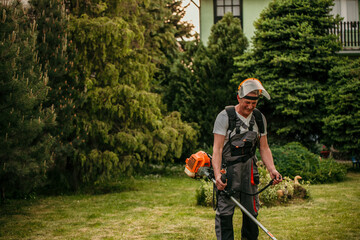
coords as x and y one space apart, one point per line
249 85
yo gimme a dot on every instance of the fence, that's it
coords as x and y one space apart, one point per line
348 33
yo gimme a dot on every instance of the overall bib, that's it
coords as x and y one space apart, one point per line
242 175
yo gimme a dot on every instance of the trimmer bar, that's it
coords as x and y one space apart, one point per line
199 165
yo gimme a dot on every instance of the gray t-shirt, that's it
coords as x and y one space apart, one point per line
221 125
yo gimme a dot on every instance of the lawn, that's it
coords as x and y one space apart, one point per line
164 207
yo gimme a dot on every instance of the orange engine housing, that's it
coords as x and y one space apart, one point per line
196 161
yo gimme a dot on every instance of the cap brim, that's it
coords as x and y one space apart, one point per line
252 85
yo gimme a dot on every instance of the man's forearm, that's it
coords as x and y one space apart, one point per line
217 153
267 159
216 163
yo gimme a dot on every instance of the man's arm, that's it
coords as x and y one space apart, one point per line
217 158
268 160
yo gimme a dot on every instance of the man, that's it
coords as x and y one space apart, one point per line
234 152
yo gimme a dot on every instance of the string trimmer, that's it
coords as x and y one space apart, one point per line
199 165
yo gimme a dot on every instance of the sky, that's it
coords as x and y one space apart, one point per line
192 14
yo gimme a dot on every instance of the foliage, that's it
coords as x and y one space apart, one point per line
204 194
125 124
96 65
163 33
199 81
341 123
56 55
294 159
292 54
184 91
25 141
287 187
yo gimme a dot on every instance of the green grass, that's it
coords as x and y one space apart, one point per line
165 208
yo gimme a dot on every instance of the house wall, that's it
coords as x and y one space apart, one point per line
251 12
206 19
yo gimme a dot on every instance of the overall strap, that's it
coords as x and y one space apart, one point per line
234 121
259 120
252 122
230 110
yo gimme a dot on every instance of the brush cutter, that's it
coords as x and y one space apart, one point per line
199 165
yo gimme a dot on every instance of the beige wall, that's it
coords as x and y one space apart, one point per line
251 12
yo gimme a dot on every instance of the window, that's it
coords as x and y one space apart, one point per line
347 9
224 6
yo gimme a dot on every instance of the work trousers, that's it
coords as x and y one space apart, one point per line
242 183
224 219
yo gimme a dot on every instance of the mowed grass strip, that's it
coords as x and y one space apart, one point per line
165 208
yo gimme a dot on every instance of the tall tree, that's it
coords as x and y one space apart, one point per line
164 36
199 84
56 55
292 54
25 154
126 125
226 41
341 123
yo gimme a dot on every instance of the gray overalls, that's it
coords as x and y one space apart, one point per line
242 175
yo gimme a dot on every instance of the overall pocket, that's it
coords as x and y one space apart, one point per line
237 147
243 144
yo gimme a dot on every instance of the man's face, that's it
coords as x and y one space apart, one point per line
246 106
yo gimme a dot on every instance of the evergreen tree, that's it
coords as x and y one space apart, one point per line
183 89
226 42
164 36
125 123
292 54
341 123
56 55
25 154
199 82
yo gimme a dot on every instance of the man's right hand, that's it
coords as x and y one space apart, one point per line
219 184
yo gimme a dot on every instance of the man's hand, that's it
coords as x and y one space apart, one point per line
219 184
276 176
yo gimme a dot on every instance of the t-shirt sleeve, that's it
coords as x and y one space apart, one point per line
221 123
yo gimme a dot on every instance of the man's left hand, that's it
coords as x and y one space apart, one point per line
276 176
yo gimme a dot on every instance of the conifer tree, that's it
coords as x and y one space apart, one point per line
25 154
125 124
56 55
341 123
226 42
164 35
199 82
292 54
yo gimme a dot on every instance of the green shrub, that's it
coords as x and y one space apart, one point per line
294 159
330 171
287 186
204 194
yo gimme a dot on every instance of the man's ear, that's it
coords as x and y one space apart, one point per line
238 98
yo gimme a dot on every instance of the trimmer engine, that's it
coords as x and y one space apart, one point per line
196 161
